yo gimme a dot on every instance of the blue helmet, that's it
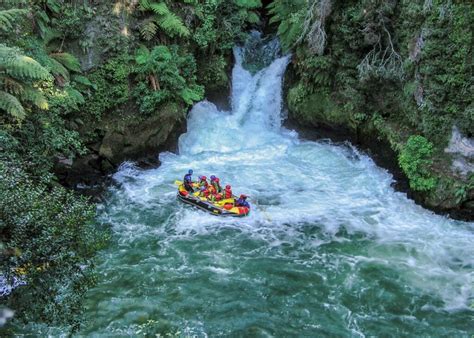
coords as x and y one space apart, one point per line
213 177
190 171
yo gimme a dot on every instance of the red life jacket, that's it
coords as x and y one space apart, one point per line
228 193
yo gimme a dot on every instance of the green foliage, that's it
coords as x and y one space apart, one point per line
415 160
110 84
9 17
290 17
48 241
163 18
165 75
20 76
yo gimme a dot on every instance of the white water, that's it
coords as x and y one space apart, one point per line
292 183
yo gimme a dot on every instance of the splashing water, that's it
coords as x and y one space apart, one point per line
328 249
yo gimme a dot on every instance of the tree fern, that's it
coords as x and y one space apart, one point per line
67 60
148 29
9 16
163 18
35 97
249 4
11 105
21 66
57 69
173 25
18 74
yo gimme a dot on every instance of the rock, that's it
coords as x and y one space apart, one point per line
462 149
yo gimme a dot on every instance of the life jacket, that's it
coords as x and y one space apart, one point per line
188 178
211 189
203 183
227 193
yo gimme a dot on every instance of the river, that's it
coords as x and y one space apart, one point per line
328 249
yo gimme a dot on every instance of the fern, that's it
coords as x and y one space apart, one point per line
11 105
83 81
8 17
248 4
12 86
34 96
163 18
75 96
21 66
67 60
57 69
159 8
148 30
173 25
18 74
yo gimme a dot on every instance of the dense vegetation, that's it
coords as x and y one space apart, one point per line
400 70
67 67
78 77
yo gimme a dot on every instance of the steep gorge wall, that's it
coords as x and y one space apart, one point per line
396 73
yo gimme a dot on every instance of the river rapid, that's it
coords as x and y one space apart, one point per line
328 249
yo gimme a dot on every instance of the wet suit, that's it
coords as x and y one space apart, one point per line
188 183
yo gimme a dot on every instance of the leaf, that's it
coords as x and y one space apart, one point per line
148 30
83 80
11 105
36 97
143 55
8 17
67 60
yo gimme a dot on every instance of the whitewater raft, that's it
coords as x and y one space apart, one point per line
225 207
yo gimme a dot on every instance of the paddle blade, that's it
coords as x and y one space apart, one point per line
178 182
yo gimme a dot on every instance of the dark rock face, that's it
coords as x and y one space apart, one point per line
139 141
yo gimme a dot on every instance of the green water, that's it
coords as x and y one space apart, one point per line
329 248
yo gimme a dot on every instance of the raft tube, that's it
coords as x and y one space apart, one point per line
224 208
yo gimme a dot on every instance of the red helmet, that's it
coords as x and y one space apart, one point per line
243 196
217 179
228 186
203 178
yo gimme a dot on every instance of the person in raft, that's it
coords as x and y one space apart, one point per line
215 183
242 202
203 182
188 181
228 192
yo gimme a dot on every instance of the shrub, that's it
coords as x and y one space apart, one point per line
415 160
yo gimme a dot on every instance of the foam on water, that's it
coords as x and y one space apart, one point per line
323 211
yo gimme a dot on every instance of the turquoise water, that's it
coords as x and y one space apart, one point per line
329 248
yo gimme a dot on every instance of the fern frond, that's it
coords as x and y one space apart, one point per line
11 105
12 86
21 66
144 4
50 35
57 68
83 80
249 4
253 18
159 8
173 25
54 6
35 96
148 30
9 16
75 95
67 60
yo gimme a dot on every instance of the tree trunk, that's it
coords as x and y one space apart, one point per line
155 85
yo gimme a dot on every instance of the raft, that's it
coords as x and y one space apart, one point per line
223 207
